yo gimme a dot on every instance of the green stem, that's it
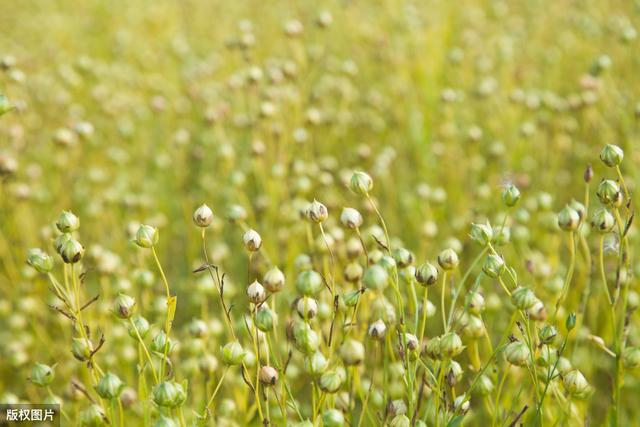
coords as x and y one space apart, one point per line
146 351
442 306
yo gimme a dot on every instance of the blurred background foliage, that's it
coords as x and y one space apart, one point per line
131 112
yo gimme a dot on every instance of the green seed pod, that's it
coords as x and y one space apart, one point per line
81 349
389 264
268 376
377 329
568 219
603 221
353 272
564 365
144 278
570 323
361 183
485 385
396 407
332 418
352 352
42 374
501 236
160 341
315 364
448 259
475 302
375 256
110 386
193 347
545 201
309 283
5 105
493 265
252 240
376 278
482 234
631 357
330 382
307 308
412 345
266 319
233 353
198 328
547 334
517 353
40 261
576 384
250 359
400 421
461 404
141 324
475 327
537 311
633 300
305 339
165 422
523 298
432 348
351 298
236 213
67 222
454 374
169 394
611 155
450 345
203 216
510 195
609 193
227 407
273 280
147 236
208 364
381 308
256 293
92 417
303 262
61 240
124 306
427 274
71 251
548 356
351 218
317 212
403 257
353 248
578 207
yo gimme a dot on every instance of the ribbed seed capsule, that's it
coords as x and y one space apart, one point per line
361 183
576 384
517 353
611 155
448 259
450 345
523 298
268 375
273 280
427 274
203 216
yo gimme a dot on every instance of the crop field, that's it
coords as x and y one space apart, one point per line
319 213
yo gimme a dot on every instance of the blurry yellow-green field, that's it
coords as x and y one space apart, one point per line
485 275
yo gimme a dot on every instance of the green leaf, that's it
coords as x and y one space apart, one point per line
455 422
